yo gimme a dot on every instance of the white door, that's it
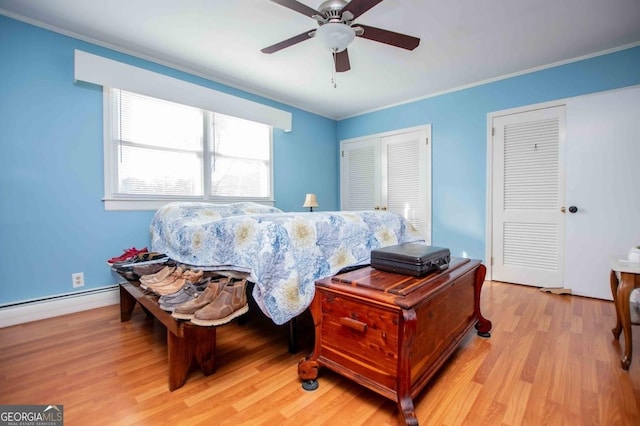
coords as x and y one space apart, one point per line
603 183
600 156
389 171
528 196
360 174
405 167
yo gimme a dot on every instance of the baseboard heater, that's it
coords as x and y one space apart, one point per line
61 304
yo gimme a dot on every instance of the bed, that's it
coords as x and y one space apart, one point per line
283 254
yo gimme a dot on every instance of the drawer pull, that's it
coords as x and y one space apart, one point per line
351 323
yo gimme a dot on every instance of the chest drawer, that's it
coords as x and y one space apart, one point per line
360 336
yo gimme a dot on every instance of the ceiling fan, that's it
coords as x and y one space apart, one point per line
337 29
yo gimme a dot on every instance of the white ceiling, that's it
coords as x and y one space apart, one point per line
462 42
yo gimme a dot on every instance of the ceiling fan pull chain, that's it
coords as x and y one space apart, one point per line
333 72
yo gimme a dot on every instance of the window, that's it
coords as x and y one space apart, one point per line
157 151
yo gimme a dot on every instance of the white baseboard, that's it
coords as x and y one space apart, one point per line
21 313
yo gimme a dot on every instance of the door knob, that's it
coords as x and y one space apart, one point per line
562 209
573 209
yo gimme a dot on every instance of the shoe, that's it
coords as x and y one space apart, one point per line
190 286
230 304
163 274
188 292
187 309
166 288
140 258
157 277
174 282
128 274
150 269
133 272
169 279
128 254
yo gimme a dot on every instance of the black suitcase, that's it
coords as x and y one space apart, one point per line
411 259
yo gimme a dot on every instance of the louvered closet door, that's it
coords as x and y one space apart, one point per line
528 193
360 174
405 167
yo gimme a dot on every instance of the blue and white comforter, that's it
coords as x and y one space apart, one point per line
282 253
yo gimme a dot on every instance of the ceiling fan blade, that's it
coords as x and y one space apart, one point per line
389 37
358 7
288 42
298 7
342 61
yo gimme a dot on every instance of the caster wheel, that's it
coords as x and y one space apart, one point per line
485 334
310 385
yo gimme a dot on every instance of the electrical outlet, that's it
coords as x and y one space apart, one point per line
77 279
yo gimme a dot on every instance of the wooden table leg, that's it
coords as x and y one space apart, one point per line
203 341
180 356
197 343
613 281
407 412
483 326
622 302
127 303
293 335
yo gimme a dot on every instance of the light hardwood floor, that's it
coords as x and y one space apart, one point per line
551 360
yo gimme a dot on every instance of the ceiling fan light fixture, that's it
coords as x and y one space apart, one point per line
335 36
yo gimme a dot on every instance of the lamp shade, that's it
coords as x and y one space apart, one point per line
335 36
310 201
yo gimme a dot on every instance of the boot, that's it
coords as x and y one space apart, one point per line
187 309
230 304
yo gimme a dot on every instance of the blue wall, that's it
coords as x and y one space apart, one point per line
52 219
459 135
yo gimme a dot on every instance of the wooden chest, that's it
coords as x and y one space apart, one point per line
392 332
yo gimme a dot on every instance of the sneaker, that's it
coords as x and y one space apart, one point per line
149 257
189 287
187 309
128 254
230 304
188 292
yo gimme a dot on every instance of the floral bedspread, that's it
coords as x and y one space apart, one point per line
282 253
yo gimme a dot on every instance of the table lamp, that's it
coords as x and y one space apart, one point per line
310 201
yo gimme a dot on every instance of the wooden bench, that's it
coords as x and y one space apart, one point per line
186 342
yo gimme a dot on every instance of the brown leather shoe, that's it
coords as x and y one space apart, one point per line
174 283
150 269
170 279
193 275
230 304
158 276
187 309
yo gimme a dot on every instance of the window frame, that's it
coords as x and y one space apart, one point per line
137 202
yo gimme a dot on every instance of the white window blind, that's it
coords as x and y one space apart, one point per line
158 146
240 157
164 150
